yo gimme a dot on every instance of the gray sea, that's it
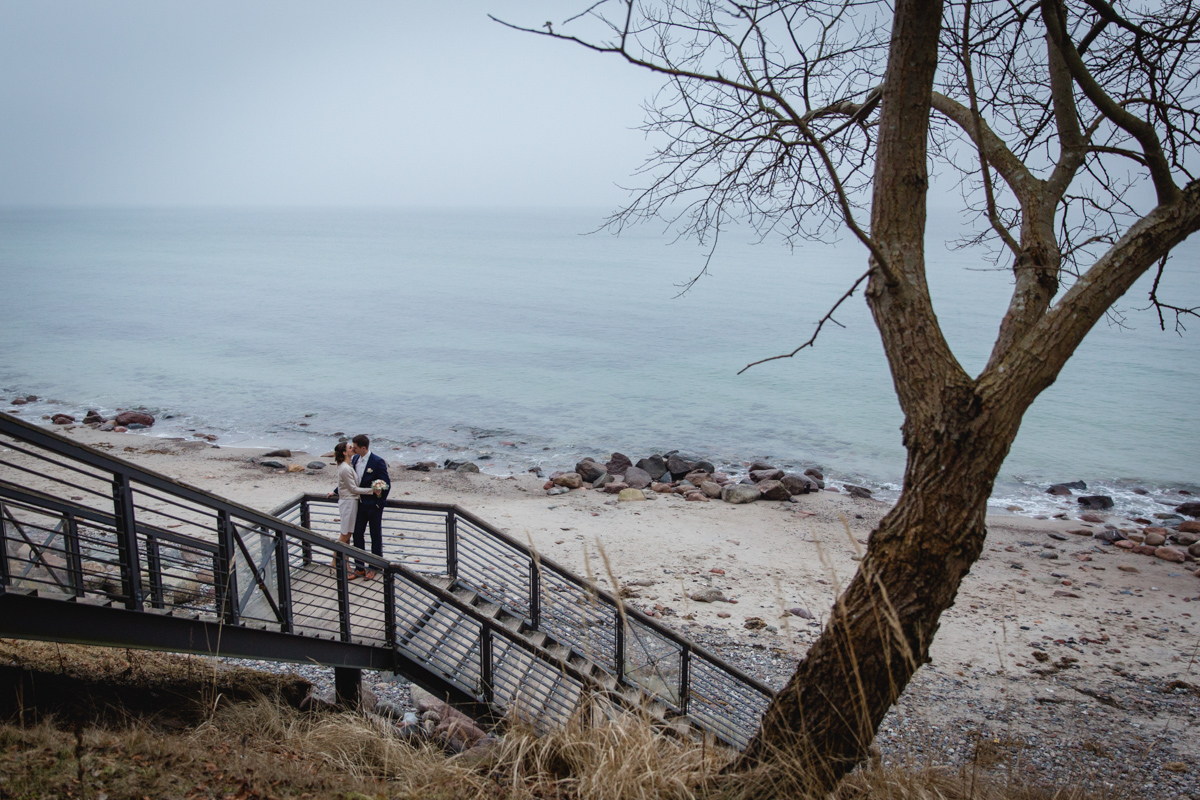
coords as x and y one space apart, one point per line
518 339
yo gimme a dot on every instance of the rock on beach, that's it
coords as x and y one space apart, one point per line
589 470
637 478
628 494
1096 501
773 490
617 464
571 480
127 418
740 493
679 466
654 466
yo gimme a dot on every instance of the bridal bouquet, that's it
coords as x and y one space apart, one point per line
380 486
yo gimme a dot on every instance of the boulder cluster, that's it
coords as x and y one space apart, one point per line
696 479
120 423
1169 537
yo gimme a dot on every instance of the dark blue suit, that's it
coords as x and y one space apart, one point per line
370 507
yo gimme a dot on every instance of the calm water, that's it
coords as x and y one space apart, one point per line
448 333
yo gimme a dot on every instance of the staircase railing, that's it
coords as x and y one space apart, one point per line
87 527
438 539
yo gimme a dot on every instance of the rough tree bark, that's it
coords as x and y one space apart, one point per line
747 131
957 430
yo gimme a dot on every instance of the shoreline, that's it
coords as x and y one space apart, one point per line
497 455
1056 639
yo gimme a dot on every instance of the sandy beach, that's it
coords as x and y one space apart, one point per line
1070 650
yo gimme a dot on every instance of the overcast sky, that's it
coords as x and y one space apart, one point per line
397 102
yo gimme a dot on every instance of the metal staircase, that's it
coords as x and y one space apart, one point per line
96 550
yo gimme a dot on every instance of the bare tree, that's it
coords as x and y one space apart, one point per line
1072 127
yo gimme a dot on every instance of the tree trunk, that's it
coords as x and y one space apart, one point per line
879 633
957 432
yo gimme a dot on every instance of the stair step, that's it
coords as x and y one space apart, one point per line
441 635
582 664
510 622
488 609
466 595
559 651
442 581
537 638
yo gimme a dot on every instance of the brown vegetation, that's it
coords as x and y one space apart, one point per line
266 748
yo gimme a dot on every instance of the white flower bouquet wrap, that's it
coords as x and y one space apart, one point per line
380 486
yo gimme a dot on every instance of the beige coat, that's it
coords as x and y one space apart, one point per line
348 492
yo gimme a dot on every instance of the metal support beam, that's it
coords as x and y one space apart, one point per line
154 568
388 576
226 575
74 557
451 545
487 684
5 578
347 685
535 594
685 678
619 647
342 565
127 547
305 522
283 582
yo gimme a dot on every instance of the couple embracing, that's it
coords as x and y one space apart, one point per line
362 490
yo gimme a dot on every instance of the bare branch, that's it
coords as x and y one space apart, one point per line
1159 306
976 133
1054 15
820 324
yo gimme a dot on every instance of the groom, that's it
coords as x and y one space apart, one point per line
369 468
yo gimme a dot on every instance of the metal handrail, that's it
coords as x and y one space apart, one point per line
258 549
624 612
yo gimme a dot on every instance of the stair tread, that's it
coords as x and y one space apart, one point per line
488 608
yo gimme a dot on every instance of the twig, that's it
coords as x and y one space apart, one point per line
820 324
1159 305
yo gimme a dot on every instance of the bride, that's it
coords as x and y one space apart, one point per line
347 492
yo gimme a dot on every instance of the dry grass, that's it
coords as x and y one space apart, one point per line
355 749
265 748
623 758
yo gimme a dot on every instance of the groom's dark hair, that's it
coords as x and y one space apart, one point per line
362 441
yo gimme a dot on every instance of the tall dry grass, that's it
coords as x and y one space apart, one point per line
264 749
624 758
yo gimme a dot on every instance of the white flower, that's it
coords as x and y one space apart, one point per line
380 486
